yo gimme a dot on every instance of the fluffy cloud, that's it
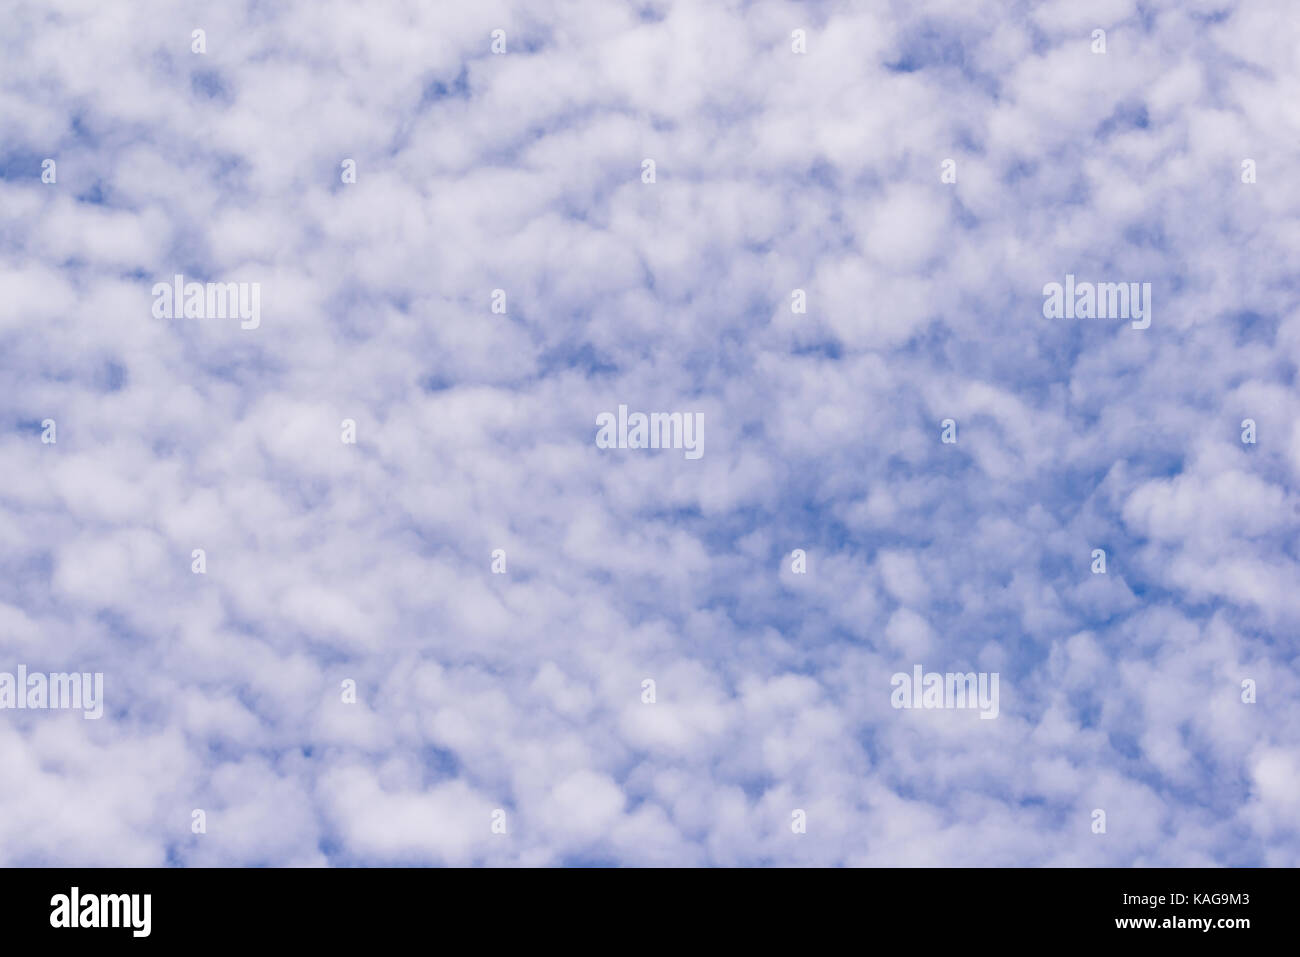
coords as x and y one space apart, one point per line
371 563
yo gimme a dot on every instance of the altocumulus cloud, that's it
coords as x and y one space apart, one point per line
394 649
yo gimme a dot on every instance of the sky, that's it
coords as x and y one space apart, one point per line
431 645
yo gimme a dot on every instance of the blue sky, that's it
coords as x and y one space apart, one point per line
775 171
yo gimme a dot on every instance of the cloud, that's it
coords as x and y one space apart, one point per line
520 691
